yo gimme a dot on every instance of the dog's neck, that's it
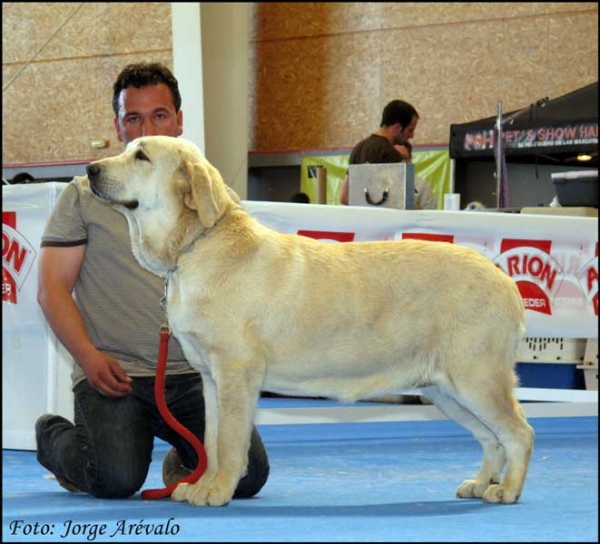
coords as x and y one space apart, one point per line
195 231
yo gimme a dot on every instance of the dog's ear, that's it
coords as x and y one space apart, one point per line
207 191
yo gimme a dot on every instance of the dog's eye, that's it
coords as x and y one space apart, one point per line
141 156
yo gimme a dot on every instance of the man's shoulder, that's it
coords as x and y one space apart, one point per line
371 139
358 151
374 149
82 184
80 202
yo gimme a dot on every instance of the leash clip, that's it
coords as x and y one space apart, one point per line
163 300
165 329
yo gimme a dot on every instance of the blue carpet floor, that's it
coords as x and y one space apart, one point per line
344 482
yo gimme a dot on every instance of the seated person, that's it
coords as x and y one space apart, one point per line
424 197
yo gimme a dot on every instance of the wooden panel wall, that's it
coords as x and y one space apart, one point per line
71 54
320 73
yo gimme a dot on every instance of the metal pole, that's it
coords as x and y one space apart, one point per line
499 155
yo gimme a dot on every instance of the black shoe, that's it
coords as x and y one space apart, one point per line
173 470
40 427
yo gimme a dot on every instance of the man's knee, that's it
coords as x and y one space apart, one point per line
115 478
115 487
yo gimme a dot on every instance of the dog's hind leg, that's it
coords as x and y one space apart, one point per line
491 400
516 435
494 456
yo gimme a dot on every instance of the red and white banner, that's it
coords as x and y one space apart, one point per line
36 368
553 259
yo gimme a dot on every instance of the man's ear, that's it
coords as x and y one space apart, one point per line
118 129
208 193
179 123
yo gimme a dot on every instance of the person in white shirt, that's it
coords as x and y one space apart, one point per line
424 197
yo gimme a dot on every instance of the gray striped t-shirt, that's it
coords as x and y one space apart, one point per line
119 300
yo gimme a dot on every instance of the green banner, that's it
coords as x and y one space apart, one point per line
432 166
336 166
435 168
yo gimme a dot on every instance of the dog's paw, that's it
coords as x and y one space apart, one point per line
472 489
218 493
180 492
203 494
212 496
218 497
500 493
195 494
221 490
469 489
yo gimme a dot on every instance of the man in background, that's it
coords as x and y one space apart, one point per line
399 121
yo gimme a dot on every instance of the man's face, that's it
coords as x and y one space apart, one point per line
148 111
408 132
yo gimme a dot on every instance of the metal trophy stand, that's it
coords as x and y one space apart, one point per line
501 170
499 153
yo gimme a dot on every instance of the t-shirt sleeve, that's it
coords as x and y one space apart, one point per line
65 225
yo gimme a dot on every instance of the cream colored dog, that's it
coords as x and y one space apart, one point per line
256 309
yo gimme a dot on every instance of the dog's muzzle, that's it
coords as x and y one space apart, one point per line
93 173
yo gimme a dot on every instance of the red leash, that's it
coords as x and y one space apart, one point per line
159 393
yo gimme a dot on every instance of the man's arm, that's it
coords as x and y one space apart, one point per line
58 271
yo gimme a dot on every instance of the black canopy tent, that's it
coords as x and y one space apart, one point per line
547 132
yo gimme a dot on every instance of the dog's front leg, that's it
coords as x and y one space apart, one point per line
237 399
196 493
230 398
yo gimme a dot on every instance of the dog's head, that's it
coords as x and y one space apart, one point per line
169 193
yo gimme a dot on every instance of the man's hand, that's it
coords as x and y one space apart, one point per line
106 375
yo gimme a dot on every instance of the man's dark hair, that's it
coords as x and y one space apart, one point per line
144 74
22 177
300 198
398 111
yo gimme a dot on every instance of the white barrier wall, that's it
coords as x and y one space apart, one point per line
553 259
36 369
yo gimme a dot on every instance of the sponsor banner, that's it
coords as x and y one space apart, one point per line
553 259
545 136
36 368
18 256
587 276
25 209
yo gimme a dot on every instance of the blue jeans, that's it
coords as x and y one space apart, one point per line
107 453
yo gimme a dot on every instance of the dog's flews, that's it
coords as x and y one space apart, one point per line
254 308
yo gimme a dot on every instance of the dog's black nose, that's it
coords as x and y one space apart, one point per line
92 170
